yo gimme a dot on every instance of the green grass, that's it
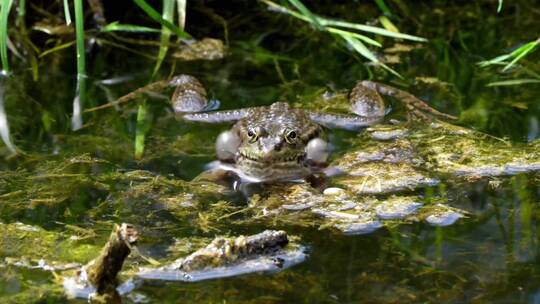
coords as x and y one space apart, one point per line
142 121
513 82
342 30
515 56
152 13
118 27
67 14
510 60
383 7
4 16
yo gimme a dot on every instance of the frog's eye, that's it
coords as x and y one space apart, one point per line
291 136
252 135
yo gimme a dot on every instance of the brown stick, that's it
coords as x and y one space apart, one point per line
153 87
102 270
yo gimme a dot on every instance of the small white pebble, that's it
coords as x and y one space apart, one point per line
334 191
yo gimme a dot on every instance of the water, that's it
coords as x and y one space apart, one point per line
70 187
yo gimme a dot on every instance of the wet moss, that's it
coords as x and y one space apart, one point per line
35 243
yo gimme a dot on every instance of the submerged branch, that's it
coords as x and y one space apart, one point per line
102 270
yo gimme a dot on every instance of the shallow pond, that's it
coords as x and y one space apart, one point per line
61 196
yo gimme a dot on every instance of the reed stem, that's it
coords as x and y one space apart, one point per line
4 15
80 99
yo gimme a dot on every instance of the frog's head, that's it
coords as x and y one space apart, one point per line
275 143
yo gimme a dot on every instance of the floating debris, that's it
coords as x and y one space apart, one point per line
443 217
204 49
397 208
378 179
41 264
224 257
389 134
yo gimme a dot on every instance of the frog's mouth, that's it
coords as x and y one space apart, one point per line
291 167
274 159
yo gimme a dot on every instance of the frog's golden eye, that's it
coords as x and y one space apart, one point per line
252 135
291 136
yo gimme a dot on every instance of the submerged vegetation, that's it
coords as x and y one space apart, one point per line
514 57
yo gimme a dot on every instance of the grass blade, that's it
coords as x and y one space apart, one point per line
119 27
521 52
168 14
353 39
494 61
57 48
140 130
371 29
152 13
361 48
80 94
387 24
4 126
355 35
517 54
383 7
512 82
67 15
499 6
21 11
4 15
142 123
306 12
358 46
181 5
325 22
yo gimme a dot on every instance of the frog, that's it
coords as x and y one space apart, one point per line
278 142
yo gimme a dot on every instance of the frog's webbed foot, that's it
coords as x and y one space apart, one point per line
417 109
190 102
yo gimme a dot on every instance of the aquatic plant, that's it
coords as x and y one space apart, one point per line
4 126
168 14
510 60
80 94
343 30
